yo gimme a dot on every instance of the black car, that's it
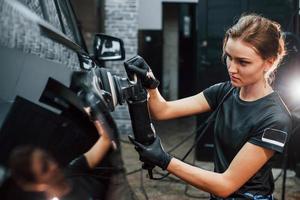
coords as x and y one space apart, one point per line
40 44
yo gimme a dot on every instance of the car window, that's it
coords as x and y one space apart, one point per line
33 5
56 13
90 19
66 20
18 32
50 14
45 9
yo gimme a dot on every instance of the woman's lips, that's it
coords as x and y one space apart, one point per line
234 78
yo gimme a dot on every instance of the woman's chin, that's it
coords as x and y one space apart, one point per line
234 83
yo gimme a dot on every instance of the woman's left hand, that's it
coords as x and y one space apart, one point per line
153 153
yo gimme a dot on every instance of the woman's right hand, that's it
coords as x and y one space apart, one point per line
137 65
160 109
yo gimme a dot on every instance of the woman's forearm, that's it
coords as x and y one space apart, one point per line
208 181
98 151
101 130
157 105
96 154
161 109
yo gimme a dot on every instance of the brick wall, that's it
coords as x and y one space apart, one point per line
121 20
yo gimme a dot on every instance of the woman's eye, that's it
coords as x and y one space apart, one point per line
244 63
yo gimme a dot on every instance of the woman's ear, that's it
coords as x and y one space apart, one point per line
269 64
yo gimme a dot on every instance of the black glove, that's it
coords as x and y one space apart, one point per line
152 154
137 65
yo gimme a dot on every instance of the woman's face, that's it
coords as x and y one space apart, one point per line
245 66
45 169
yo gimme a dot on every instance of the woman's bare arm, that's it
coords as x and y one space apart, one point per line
161 109
245 164
98 151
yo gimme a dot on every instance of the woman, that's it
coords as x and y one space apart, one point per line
252 123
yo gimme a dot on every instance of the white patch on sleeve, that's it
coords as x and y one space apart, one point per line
274 136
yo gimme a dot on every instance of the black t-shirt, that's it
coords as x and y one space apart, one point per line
264 122
84 184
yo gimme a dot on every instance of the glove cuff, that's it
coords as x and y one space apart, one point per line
167 161
150 83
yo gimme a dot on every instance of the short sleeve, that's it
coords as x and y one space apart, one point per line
79 164
215 93
274 134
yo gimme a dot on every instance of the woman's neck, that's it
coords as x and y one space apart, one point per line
255 91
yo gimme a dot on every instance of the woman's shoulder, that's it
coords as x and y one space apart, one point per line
279 106
220 88
226 85
215 93
277 111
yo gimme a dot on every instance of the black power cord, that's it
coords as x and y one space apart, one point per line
186 189
142 186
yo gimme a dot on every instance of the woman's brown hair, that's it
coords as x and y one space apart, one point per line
263 34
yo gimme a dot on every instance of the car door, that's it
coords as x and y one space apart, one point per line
39 40
27 57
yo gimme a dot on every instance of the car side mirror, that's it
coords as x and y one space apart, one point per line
108 48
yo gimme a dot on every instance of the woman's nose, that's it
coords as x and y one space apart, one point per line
231 66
